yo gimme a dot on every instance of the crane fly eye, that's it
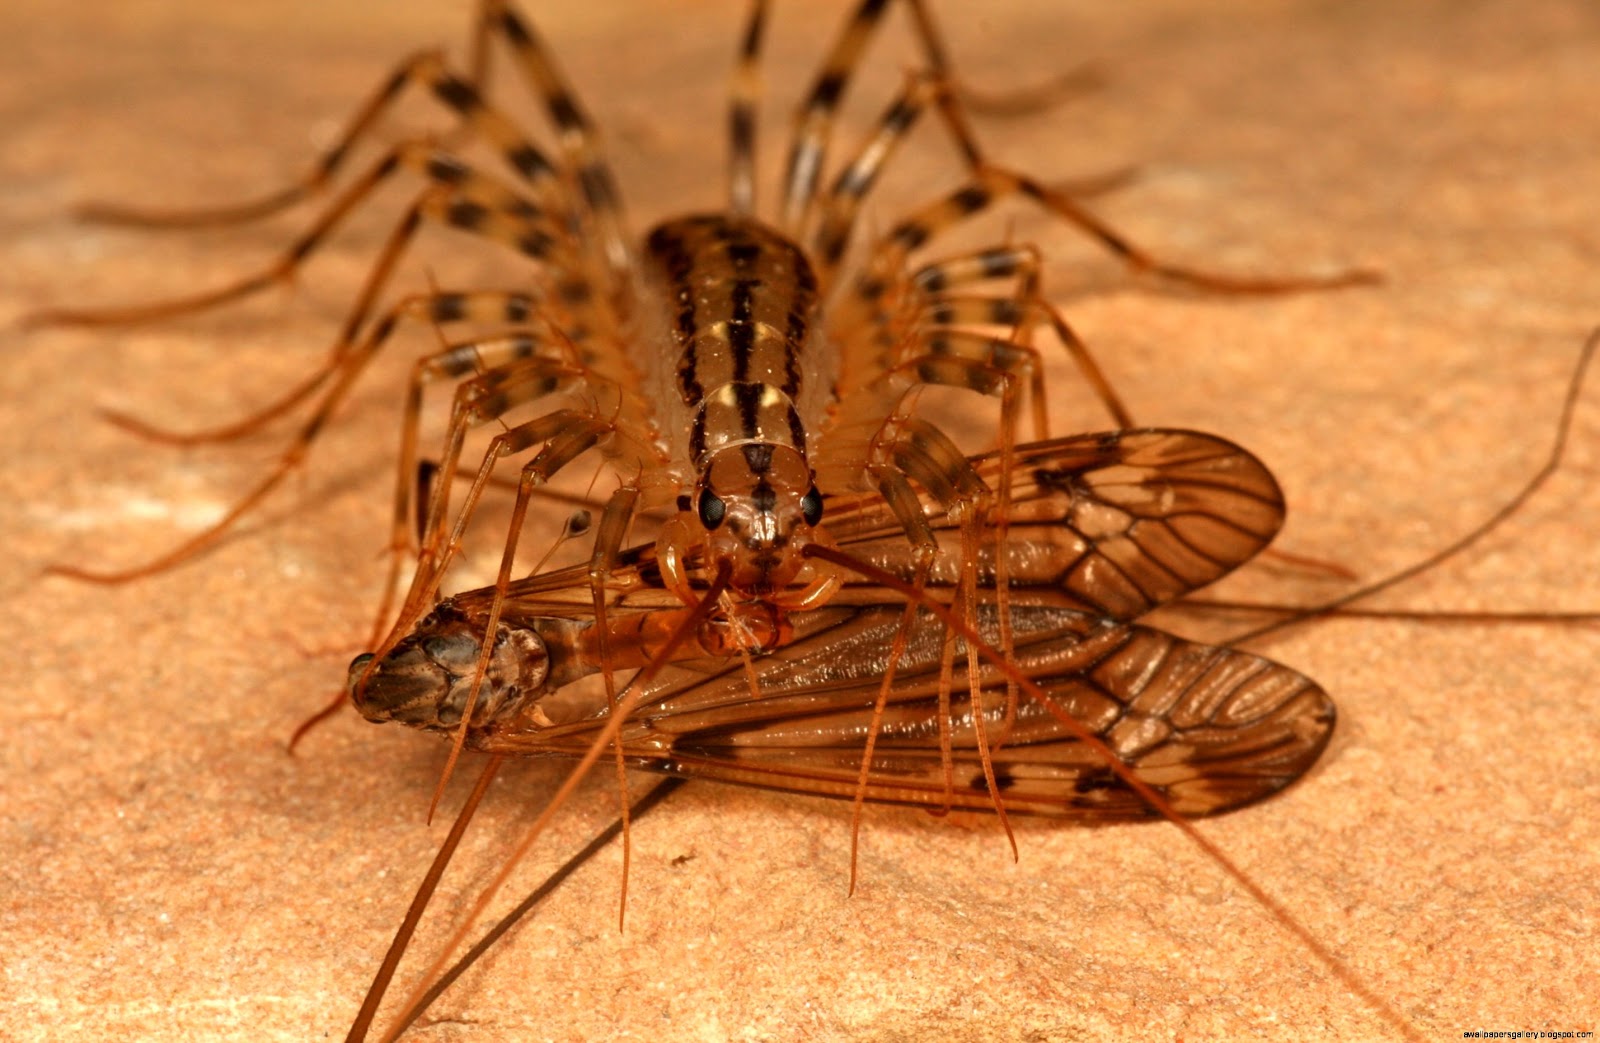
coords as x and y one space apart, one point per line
712 509
811 506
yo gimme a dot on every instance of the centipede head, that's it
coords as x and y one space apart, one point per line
757 507
753 513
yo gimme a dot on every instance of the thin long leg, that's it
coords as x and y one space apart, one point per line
580 141
477 202
426 68
837 225
419 903
638 810
432 204
991 184
436 308
843 199
813 121
944 312
481 356
744 99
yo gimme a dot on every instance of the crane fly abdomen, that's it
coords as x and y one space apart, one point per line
1211 729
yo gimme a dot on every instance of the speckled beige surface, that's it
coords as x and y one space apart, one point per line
169 874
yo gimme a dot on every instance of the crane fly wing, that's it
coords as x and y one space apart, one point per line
1109 524
1211 728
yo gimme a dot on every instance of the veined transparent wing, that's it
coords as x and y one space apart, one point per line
1110 524
1210 728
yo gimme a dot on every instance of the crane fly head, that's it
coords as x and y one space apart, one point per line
427 680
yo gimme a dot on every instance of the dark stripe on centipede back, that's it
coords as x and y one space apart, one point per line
669 250
758 457
689 386
697 438
795 336
748 398
741 331
742 253
797 432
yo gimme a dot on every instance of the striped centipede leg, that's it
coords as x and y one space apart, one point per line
481 399
744 98
943 313
345 371
991 183
435 308
545 211
813 121
438 204
580 142
473 363
814 125
865 310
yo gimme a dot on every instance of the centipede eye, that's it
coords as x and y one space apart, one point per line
712 509
811 506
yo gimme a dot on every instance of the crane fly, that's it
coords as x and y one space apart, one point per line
1116 720
1211 728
